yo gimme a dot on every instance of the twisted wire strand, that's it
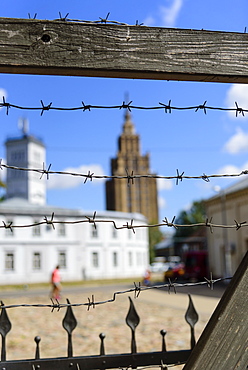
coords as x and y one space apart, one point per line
137 289
90 175
168 108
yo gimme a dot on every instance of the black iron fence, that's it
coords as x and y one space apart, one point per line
133 359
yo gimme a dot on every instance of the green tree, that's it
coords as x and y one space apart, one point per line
155 236
2 185
194 215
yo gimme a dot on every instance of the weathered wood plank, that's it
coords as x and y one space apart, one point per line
99 50
224 342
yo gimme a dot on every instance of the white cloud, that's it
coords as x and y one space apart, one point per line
3 171
170 13
229 169
149 21
232 169
163 184
237 93
166 15
69 181
237 143
162 203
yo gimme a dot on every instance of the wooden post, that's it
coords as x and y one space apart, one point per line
224 342
99 50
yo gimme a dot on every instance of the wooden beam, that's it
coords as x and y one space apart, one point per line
224 342
99 50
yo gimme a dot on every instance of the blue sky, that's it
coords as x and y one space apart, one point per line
193 143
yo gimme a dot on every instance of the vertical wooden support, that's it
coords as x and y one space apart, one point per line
224 342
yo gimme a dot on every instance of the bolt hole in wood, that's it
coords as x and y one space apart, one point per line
46 38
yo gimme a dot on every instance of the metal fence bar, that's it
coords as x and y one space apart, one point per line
102 361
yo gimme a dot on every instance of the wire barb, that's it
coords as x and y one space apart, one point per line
44 171
126 106
167 108
104 20
8 226
179 177
209 224
130 226
86 107
137 290
91 302
5 104
89 176
239 224
50 222
210 281
63 18
202 106
45 107
170 224
34 17
92 220
171 285
239 110
205 178
129 177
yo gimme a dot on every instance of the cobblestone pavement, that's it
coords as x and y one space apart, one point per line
157 310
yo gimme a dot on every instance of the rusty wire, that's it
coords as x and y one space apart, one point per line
167 108
129 226
179 177
137 289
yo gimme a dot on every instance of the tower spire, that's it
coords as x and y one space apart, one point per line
128 126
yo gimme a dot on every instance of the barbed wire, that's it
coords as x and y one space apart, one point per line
129 176
101 20
168 108
129 226
137 289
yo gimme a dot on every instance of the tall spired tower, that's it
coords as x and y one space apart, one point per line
141 195
28 152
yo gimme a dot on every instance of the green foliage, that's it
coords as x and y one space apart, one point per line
155 236
2 185
195 215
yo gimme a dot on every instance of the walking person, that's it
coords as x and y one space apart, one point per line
56 283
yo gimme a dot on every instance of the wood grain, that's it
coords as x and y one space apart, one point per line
100 50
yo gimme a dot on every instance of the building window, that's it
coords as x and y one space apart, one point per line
61 229
95 259
139 258
130 258
36 229
62 260
9 231
17 156
115 259
49 227
9 261
94 231
36 261
114 232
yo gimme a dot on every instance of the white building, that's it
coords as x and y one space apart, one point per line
29 254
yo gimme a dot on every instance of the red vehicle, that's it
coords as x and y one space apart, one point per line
196 265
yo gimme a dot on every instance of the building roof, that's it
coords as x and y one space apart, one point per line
235 187
20 206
